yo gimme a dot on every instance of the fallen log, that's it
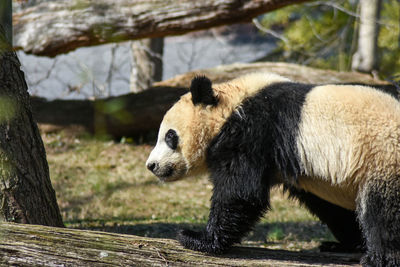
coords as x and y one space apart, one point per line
295 72
54 27
130 115
136 115
34 245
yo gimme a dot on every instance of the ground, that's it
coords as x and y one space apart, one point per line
103 184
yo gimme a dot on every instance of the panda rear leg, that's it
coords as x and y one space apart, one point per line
341 222
379 215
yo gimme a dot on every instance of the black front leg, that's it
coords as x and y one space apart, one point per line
228 223
241 165
236 205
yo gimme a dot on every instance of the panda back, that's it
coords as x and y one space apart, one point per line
348 133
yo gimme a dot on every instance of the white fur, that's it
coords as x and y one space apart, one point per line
164 156
348 134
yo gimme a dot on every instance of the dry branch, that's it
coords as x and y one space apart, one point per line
137 114
33 245
60 26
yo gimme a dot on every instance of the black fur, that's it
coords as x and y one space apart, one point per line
342 222
202 92
251 148
172 139
379 215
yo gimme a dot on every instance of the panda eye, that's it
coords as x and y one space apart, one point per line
171 138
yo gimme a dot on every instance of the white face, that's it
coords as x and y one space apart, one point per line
166 160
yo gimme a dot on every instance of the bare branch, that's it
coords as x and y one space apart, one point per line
269 31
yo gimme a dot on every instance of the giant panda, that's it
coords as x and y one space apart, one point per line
336 148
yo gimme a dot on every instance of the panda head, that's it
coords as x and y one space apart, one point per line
190 125
184 133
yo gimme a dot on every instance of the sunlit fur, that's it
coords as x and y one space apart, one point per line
348 134
196 125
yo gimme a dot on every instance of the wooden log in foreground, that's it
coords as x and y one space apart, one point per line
34 245
138 114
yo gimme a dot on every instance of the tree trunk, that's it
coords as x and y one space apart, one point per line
32 245
366 57
64 25
26 194
147 63
6 18
138 114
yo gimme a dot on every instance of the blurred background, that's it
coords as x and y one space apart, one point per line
322 34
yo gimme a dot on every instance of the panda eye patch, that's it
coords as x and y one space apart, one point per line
171 138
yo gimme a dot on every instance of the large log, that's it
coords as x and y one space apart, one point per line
295 72
130 115
54 27
138 114
33 245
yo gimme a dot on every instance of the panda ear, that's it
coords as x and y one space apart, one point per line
202 92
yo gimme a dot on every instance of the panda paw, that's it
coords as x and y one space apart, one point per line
199 241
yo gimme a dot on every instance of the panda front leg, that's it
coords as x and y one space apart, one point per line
379 215
235 209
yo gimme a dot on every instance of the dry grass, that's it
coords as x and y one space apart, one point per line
101 184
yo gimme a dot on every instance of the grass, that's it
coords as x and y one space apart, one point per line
104 185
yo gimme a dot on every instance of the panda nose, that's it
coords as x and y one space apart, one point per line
151 166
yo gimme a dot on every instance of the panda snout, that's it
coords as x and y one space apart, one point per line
162 172
152 166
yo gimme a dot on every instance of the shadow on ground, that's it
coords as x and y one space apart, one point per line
300 231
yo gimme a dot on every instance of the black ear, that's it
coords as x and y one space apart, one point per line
202 92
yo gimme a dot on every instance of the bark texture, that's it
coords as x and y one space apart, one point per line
26 193
366 57
138 114
30 245
147 64
59 26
